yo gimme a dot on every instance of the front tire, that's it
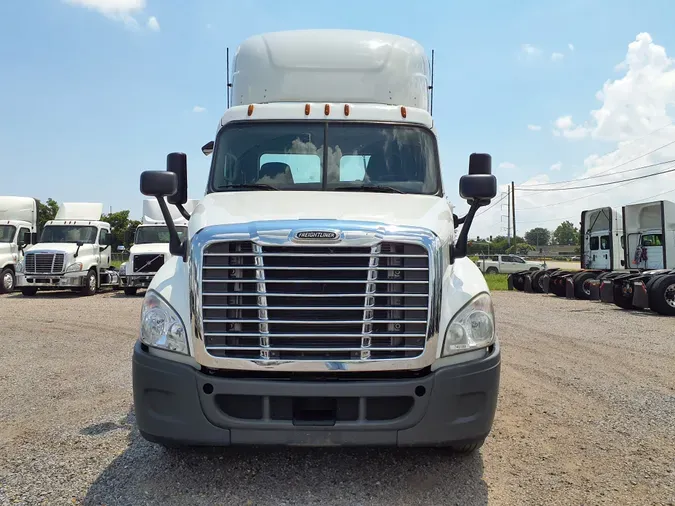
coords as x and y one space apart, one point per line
492 270
7 281
29 291
130 291
662 295
90 283
467 448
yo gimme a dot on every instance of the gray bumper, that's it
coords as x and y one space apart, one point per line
176 404
136 280
50 280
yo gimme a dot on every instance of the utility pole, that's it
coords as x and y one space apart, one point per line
508 217
513 211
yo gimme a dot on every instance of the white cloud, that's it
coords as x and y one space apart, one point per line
570 46
198 108
153 24
118 10
556 166
529 50
557 56
635 120
534 128
507 165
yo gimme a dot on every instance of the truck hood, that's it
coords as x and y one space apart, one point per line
143 249
61 247
434 213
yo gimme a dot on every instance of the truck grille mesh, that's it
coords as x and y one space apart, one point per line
151 262
315 302
44 263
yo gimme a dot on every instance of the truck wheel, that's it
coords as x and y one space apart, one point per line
468 447
8 281
537 281
492 270
662 295
130 291
29 291
90 283
582 288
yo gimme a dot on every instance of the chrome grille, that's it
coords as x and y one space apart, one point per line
44 263
315 302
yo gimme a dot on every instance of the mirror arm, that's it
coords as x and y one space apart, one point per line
182 210
460 248
176 247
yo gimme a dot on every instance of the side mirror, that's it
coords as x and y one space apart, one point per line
207 148
121 248
176 163
477 187
157 183
24 240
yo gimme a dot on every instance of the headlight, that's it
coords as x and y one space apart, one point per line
123 268
161 327
472 328
18 267
76 267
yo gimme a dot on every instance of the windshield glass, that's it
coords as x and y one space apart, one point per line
7 233
155 234
325 156
69 233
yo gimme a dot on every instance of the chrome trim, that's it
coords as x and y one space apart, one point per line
280 233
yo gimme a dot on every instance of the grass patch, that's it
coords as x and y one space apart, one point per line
497 282
116 263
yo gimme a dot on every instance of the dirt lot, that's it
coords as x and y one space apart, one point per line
586 416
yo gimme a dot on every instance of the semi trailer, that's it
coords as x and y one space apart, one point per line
320 296
151 245
73 253
18 231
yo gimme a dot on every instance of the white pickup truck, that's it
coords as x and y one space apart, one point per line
507 264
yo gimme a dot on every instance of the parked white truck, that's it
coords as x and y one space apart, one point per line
321 296
18 230
151 245
73 253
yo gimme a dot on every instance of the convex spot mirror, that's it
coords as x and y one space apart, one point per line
157 183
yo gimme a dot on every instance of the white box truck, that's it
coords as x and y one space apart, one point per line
18 230
73 253
151 245
321 296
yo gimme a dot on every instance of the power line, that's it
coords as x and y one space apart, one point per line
491 206
574 199
671 169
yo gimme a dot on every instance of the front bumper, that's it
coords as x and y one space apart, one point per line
136 280
69 280
176 404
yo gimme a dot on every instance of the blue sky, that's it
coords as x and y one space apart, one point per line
87 101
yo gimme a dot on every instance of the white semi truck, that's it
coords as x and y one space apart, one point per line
151 245
73 253
18 230
321 296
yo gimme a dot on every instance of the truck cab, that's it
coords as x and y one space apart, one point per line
602 240
73 253
151 245
321 296
18 231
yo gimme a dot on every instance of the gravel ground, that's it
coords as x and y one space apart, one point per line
586 416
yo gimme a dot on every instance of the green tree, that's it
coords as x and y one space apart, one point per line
46 212
566 234
538 236
119 224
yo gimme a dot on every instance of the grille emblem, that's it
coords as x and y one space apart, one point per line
316 235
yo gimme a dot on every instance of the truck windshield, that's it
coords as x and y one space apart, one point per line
156 234
7 233
325 156
69 233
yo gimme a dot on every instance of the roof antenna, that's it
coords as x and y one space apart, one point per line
431 111
229 84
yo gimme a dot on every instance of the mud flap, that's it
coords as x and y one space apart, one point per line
569 288
528 284
594 287
509 281
640 296
607 291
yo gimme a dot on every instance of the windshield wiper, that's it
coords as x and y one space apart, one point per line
250 186
369 188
